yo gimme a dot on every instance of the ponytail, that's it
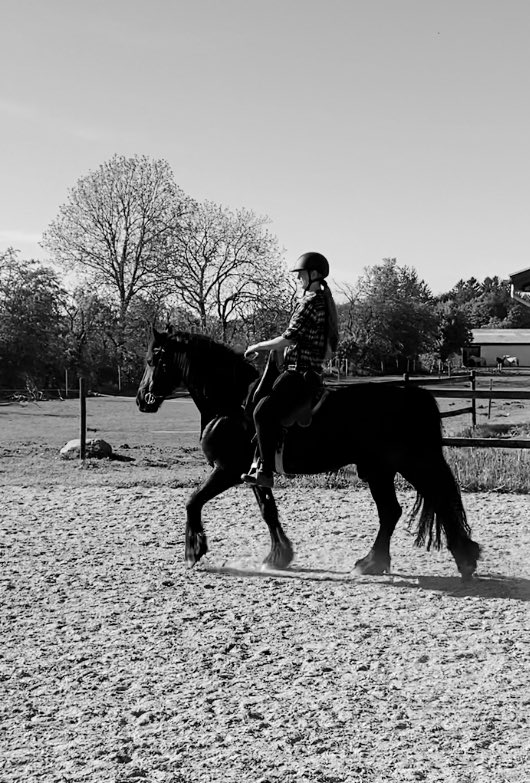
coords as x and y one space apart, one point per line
332 325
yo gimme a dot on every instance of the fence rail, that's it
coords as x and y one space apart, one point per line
473 394
467 378
483 394
457 412
446 379
488 443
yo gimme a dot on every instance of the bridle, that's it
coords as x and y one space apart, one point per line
161 363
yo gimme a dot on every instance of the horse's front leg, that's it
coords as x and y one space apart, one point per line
217 482
377 561
281 553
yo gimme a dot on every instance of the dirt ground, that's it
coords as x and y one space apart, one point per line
119 664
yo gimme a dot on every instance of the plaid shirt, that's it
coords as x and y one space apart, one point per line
307 329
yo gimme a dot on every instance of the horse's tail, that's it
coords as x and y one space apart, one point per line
438 509
440 512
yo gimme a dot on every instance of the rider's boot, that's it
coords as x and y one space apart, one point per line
258 476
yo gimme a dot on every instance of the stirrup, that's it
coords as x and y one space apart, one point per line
258 478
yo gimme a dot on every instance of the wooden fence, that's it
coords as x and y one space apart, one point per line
473 394
453 379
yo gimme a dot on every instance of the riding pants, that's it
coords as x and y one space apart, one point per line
290 391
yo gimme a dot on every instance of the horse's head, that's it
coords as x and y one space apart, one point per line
161 375
215 375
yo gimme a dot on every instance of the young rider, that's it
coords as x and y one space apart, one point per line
312 332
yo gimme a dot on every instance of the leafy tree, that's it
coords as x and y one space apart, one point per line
463 292
106 352
454 331
31 327
225 266
487 304
117 225
90 352
391 318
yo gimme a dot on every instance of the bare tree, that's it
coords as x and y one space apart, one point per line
117 225
225 265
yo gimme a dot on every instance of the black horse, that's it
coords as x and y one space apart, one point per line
384 429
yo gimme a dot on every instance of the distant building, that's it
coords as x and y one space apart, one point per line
490 344
520 286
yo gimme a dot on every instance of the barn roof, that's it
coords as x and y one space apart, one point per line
521 280
501 336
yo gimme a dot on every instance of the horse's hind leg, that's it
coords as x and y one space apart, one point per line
381 484
217 482
281 553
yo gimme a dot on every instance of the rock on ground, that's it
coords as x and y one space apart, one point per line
95 447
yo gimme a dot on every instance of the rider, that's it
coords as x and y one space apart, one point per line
310 337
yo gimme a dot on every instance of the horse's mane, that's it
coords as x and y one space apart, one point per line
210 361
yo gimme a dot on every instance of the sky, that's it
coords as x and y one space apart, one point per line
363 129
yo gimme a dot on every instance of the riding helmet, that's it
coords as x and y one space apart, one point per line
312 261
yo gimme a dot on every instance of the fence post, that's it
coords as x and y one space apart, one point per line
405 377
82 404
489 404
473 401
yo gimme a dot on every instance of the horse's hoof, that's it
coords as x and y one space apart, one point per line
466 559
196 547
269 565
278 561
368 571
372 566
192 557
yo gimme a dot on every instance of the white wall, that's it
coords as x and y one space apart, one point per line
490 353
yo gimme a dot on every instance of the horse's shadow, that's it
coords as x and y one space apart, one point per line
486 586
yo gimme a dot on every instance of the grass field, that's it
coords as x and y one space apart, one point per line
145 446
494 469
116 419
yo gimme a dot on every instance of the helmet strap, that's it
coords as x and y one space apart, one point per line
312 281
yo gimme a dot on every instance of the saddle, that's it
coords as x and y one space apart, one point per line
303 415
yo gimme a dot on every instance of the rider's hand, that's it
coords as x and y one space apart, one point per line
251 351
